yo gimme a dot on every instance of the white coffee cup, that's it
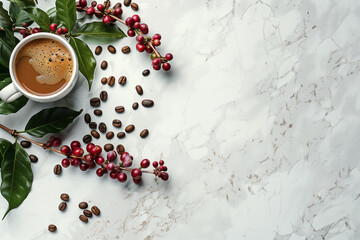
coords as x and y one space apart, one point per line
14 90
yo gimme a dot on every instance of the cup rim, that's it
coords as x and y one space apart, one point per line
24 42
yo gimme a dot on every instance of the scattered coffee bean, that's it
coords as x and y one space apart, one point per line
83 218
126 49
97 112
111 49
146 72
144 133
116 123
104 65
104 80
93 125
139 90
122 80
25 144
95 134
121 135
57 169
134 6
87 138
87 213
147 103
62 206
110 135
117 5
95 102
102 127
108 147
33 158
87 118
65 197
120 149
95 210
135 105
119 109
130 128
52 228
98 50
103 96
127 2
111 81
83 205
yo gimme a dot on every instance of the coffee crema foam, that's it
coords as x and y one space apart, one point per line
50 59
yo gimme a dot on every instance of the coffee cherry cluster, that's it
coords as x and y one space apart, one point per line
101 10
54 29
52 142
28 31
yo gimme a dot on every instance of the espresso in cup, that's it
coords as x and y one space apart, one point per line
43 66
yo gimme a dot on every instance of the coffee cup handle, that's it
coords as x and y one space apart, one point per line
10 93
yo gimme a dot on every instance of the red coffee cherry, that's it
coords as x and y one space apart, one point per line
74 162
93 3
65 162
148 49
118 11
144 28
99 160
136 173
155 164
95 151
88 158
161 162
53 27
169 56
89 147
136 18
36 30
156 61
100 172
140 47
64 30
136 25
113 174
137 180
140 39
110 166
75 144
101 7
157 67
78 152
59 31
65 150
56 142
83 167
122 177
145 163
111 156
166 66
164 176
156 42
83 3
107 20
131 33
129 22
157 36
90 11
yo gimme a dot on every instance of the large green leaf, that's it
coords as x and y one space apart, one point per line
39 16
16 176
51 120
24 3
13 107
87 62
66 13
98 29
5 21
52 14
4 145
18 16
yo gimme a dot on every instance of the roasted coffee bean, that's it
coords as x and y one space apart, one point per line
57 169
119 109
117 5
97 112
121 135
83 218
83 205
110 135
126 49
25 144
95 102
87 118
127 2
130 128
104 65
144 133
93 125
65 197
108 147
95 134
87 213
116 123
139 90
147 103
135 105
52 228
95 210
134 6
98 50
111 49
104 80
87 138
62 206
111 81
122 80
102 127
33 158
146 72
103 96
120 149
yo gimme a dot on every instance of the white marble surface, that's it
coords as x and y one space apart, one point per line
257 122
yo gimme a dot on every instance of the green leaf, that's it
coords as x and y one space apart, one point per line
52 14
98 29
7 44
4 145
5 21
87 62
51 120
66 13
24 3
13 107
18 16
16 176
39 16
